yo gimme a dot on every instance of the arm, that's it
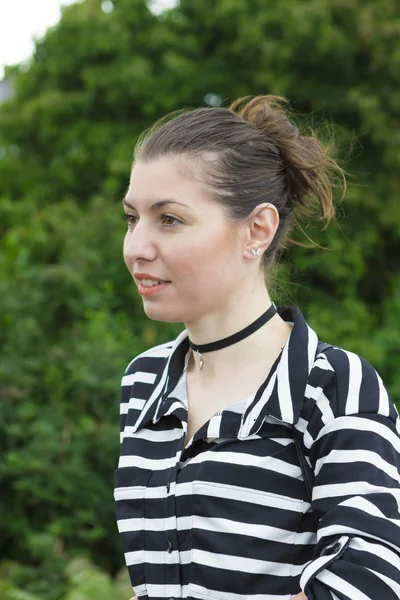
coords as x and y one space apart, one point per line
353 445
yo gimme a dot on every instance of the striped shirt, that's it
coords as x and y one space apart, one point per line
227 516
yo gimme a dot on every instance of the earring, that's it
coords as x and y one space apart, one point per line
255 252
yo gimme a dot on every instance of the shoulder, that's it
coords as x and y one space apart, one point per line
139 380
343 383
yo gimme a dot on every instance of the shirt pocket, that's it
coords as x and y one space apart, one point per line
129 494
243 540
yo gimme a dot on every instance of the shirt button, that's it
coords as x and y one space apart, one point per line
169 547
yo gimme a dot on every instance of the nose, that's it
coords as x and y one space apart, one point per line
139 244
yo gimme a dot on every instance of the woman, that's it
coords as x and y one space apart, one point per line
255 462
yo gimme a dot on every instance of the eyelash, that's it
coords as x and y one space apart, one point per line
128 216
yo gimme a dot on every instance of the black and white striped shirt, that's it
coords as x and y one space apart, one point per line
227 517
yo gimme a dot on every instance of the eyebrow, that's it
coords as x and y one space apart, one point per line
158 204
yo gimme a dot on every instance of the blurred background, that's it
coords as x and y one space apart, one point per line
70 319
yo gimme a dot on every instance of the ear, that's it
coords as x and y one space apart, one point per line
260 228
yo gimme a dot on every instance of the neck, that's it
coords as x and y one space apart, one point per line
236 316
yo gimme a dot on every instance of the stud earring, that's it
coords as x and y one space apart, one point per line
255 252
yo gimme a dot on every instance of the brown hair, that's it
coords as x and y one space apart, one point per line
248 154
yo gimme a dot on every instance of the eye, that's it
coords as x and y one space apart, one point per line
169 221
130 219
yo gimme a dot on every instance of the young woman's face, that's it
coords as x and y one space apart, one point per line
181 237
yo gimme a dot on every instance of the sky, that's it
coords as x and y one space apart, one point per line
22 20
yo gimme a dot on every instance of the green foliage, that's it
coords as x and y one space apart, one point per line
88 582
70 319
83 580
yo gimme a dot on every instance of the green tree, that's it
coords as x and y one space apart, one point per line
70 319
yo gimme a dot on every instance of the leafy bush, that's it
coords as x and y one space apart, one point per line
84 581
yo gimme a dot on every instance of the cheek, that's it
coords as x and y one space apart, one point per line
184 265
203 261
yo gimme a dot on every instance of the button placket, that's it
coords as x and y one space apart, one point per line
171 541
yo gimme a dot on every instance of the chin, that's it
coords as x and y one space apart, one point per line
160 313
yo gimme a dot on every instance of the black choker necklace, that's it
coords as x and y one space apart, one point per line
236 337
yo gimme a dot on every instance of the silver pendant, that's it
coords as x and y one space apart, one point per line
201 359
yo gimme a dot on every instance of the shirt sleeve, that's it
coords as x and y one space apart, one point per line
132 401
352 441
126 386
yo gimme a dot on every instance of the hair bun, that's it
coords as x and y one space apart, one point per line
308 168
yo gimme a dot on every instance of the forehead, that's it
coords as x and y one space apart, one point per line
165 178
156 173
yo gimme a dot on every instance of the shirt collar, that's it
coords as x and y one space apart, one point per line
281 394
